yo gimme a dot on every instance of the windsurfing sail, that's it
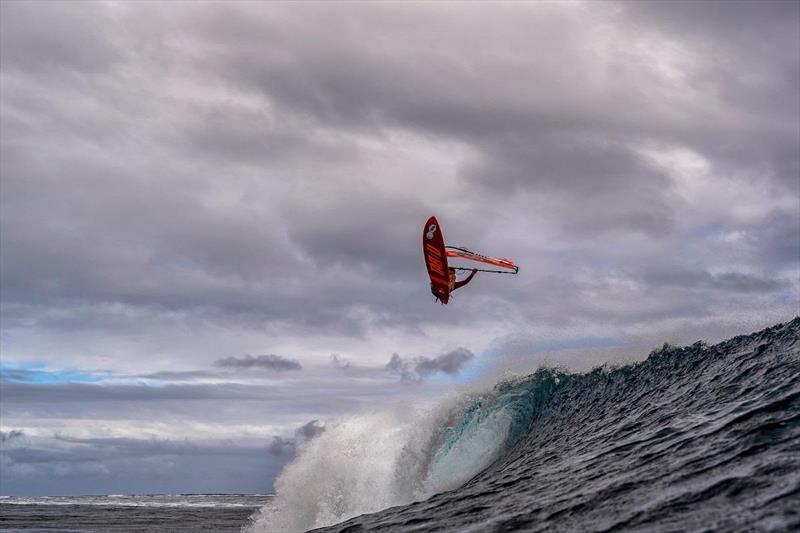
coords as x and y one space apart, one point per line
442 275
436 259
506 264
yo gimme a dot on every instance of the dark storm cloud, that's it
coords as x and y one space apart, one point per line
419 368
267 362
287 447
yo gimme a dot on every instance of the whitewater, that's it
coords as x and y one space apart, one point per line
692 438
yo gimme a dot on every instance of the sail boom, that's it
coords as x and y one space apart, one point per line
463 253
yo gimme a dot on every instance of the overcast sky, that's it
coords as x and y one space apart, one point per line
211 213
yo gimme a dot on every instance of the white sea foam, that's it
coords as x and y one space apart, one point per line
365 463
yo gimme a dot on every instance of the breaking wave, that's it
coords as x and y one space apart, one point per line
372 461
613 447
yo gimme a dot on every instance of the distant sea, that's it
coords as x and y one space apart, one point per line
177 513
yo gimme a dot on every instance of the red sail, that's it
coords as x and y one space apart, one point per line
463 253
436 259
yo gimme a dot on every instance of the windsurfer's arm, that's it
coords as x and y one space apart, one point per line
466 280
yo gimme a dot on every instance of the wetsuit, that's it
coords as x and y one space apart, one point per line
458 284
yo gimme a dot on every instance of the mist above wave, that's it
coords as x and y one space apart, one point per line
372 461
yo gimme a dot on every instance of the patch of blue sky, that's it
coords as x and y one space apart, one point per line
36 373
472 370
787 298
154 383
444 379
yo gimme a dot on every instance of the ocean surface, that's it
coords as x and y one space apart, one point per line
697 438
127 513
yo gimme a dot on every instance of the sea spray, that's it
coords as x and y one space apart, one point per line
365 463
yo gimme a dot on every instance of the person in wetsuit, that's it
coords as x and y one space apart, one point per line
458 284
453 284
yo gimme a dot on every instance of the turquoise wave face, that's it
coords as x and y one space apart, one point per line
491 424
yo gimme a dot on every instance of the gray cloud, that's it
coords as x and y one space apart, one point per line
213 404
396 364
191 375
281 447
55 37
9 435
287 447
728 281
420 367
228 415
339 362
16 392
268 362
775 240
309 430
449 363
14 374
549 134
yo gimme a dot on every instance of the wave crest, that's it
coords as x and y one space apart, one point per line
365 463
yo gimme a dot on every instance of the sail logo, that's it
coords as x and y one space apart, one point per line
431 231
435 259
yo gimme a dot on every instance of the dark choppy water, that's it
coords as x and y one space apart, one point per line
701 438
169 513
